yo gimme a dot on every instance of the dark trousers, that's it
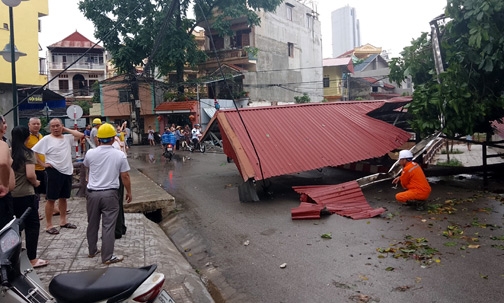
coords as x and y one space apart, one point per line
120 228
6 211
31 223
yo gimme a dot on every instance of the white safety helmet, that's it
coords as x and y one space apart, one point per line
405 154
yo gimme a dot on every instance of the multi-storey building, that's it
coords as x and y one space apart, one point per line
345 30
28 68
273 62
75 74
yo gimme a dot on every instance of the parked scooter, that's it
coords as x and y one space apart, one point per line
168 151
20 283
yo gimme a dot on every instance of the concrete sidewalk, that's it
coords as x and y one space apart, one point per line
145 243
467 158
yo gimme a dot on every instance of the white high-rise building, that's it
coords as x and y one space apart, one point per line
345 30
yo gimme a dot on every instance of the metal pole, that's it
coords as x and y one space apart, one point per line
77 154
13 65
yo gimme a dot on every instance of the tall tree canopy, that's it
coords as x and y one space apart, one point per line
469 94
133 30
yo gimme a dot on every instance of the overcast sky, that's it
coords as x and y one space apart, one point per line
390 24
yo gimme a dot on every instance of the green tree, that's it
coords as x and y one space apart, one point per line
468 95
161 30
302 99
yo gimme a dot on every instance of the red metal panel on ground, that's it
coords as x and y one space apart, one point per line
306 211
295 138
344 199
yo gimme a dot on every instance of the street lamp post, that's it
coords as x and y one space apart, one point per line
47 111
10 49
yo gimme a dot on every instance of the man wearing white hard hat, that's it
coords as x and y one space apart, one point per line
412 179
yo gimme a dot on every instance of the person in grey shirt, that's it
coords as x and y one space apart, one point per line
92 135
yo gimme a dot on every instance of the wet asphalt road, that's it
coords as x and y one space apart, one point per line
346 268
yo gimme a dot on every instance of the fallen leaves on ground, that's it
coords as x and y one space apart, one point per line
326 236
411 248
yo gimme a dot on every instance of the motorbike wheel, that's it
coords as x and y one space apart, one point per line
170 156
202 148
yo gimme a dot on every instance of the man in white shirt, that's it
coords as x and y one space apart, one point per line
106 164
57 149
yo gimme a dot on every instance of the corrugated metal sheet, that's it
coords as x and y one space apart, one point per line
344 199
294 138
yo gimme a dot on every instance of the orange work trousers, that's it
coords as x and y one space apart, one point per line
410 194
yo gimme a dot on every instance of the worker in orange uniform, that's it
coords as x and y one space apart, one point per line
413 180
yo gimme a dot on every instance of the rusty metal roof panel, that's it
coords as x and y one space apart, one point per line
294 138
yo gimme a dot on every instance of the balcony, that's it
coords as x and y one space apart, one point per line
238 57
76 66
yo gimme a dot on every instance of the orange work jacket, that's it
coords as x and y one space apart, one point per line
413 178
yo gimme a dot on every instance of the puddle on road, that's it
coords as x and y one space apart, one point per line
165 170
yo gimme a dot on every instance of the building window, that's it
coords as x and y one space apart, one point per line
42 66
6 26
39 26
91 82
123 95
63 84
290 47
289 11
326 81
309 21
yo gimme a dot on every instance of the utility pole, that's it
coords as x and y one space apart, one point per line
135 108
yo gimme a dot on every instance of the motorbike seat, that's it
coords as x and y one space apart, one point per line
113 283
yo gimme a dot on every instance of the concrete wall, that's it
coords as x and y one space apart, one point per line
297 74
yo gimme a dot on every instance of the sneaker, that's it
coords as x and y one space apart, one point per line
114 259
95 254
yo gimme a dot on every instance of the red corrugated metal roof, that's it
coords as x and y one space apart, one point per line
294 138
499 128
75 40
344 199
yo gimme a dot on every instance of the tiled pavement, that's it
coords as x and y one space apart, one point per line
145 243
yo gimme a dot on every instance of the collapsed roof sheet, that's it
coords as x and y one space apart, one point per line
295 138
344 199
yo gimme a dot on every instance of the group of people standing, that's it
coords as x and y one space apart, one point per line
37 165
180 137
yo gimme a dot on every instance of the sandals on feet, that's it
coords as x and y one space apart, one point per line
69 225
40 263
52 231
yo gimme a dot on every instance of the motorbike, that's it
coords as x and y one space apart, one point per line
168 151
196 145
20 283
